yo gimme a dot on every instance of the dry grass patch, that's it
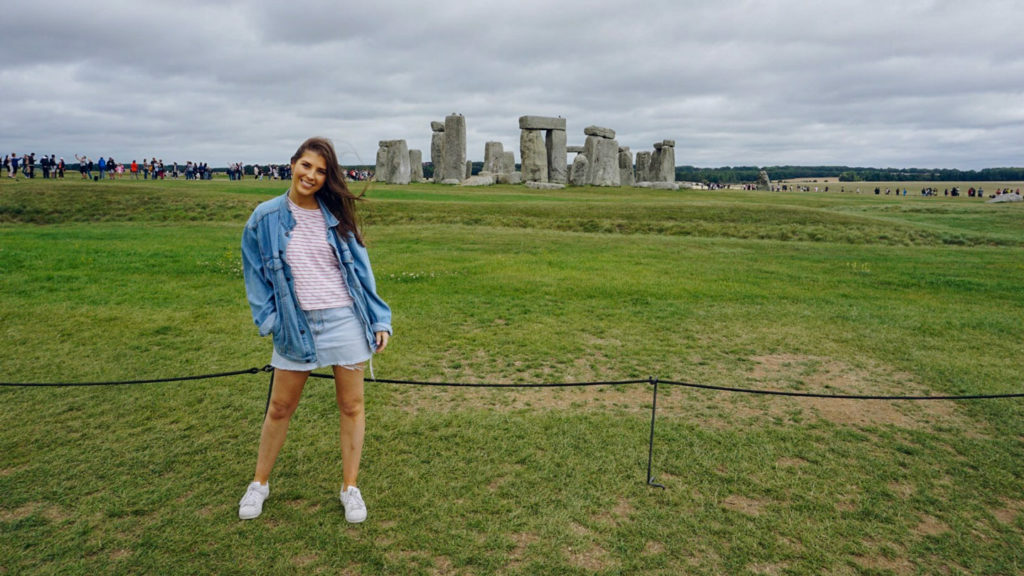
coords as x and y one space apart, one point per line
617 514
50 512
744 505
1010 513
930 526
823 375
772 569
522 541
898 566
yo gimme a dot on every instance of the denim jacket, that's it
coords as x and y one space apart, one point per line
271 290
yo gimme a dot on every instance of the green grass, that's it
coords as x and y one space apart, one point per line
802 291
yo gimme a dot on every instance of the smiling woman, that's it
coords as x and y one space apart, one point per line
309 283
308 175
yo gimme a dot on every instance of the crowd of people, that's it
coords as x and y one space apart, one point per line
971 192
237 171
49 165
103 168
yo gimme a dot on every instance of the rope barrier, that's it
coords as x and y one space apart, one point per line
839 396
651 380
124 382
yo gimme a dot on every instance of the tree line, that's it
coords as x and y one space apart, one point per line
740 174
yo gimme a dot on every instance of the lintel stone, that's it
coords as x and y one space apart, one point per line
599 131
541 123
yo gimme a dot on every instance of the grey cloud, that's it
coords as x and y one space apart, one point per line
869 82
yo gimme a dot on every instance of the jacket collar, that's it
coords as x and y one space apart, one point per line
289 220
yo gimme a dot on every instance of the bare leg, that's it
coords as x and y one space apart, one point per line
348 388
284 398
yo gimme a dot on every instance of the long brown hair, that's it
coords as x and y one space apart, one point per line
334 194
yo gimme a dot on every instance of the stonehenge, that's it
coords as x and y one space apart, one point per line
543 149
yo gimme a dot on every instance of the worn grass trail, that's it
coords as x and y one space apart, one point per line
803 292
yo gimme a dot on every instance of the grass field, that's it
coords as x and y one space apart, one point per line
833 293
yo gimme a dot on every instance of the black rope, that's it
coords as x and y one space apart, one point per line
839 396
124 382
651 380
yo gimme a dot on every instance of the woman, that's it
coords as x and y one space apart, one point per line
309 283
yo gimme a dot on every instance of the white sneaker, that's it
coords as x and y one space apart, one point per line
355 508
251 505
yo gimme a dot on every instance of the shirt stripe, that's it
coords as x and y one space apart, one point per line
319 283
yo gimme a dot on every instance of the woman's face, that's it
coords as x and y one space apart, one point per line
309 173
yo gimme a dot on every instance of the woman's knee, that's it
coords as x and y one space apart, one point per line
351 405
281 408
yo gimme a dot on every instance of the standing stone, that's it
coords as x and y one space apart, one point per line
534 156
469 168
397 164
437 149
653 167
626 176
557 167
604 167
415 166
578 174
508 162
454 164
665 167
494 153
603 155
380 171
643 162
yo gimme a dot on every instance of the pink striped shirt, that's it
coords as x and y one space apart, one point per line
319 283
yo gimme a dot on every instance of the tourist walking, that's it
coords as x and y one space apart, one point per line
309 283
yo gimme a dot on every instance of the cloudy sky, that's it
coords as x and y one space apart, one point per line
890 83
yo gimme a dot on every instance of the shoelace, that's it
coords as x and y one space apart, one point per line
355 499
251 497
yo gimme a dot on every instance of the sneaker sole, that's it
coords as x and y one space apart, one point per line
248 517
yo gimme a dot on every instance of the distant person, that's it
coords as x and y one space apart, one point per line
12 166
321 311
83 165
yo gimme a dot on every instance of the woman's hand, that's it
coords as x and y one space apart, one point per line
382 340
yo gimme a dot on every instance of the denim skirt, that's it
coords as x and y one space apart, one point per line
339 337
